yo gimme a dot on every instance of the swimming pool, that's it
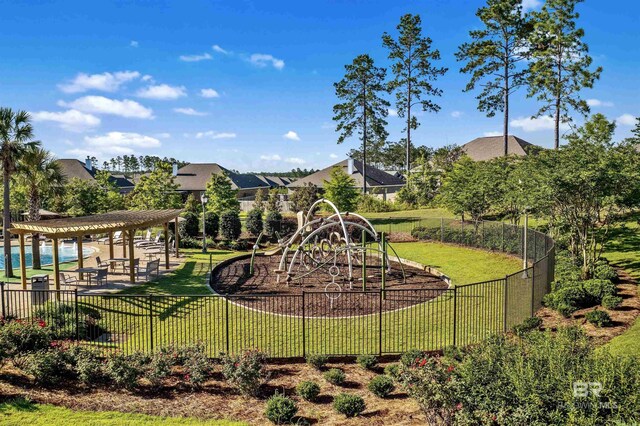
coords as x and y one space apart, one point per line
66 253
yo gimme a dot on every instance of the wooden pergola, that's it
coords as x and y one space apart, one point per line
107 223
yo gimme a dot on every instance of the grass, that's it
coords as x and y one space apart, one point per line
20 412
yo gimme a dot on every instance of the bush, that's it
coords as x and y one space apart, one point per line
124 370
611 302
280 409
526 326
230 225
317 361
288 226
366 361
308 390
254 222
88 365
381 386
197 365
190 226
392 370
349 405
601 270
158 367
335 376
211 225
371 204
48 367
410 357
599 318
273 223
245 372
19 338
570 296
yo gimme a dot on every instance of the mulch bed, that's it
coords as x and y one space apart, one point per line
322 297
216 400
623 316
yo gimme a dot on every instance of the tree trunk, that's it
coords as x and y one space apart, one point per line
557 117
409 128
6 223
34 214
505 129
364 138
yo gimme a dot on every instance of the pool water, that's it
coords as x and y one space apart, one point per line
66 253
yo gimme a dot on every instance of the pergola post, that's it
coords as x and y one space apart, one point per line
177 237
56 262
132 271
110 244
124 244
80 257
23 261
166 245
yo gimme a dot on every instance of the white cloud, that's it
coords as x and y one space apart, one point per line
196 58
219 49
262 60
163 135
71 120
291 135
529 124
209 93
490 134
530 4
211 134
598 103
333 156
456 114
162 92
294 160
626 120
146 78
134 43
121 140
106 82
189 111
273 157
393 112
101 105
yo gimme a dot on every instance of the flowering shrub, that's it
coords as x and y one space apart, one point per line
48 367
409 358
21 337
196 364
245 372
88 365
124 370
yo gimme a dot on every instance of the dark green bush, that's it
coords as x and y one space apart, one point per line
288 226
410 357
254 222
124 370
246 372
611 302
308 390
527 325
88 365
48 367
601 270
335 376
196 363
570 296
280 409
19 338
349 405
317 361
425 233
273 223
230 225
392 370
211 225
367 361
381 386
190 226
599 318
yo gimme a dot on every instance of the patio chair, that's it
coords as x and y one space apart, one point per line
116 238
100 263
136 265
152 268
101 276
67 280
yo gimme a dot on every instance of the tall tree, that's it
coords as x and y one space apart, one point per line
39 175
341 190
561 64
413 72
222 196
363 109
157 190
16 133
494 57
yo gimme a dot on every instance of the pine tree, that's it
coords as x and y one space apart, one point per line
222 197
341 190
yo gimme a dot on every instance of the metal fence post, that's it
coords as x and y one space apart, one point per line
226 318
505 302
151 321
380 324
455 316
533 288
502 242
442 229
75 298
304 334
4 312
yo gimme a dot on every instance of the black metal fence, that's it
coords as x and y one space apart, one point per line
313 322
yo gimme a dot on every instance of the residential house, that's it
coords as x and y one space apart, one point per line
489 147
72 168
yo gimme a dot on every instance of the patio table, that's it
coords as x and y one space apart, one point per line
88 271
152 254
118 260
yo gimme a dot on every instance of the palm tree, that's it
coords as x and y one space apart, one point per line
40 176
16 133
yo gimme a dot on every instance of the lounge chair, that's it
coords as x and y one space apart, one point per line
140 238
150 243
116 238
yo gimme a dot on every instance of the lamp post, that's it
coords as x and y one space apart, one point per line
525 265
203 199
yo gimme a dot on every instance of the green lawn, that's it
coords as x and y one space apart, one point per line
21 412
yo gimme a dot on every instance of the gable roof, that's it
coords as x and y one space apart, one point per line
486 148
194 177
375 176
72 168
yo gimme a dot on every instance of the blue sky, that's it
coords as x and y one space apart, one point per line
249 84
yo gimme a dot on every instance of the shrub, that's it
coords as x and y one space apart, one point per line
392 370
190 226
19 338
230 225
211 225
245 372
598 318
410 357
308 390
611 302
570 296
273 223
254 222
335 376
601 270
288 226
371 204
124 370
196 364
317 361
157 367
426 233
88 365
349 405
48 367
367 361
381 386
280 409
526 326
